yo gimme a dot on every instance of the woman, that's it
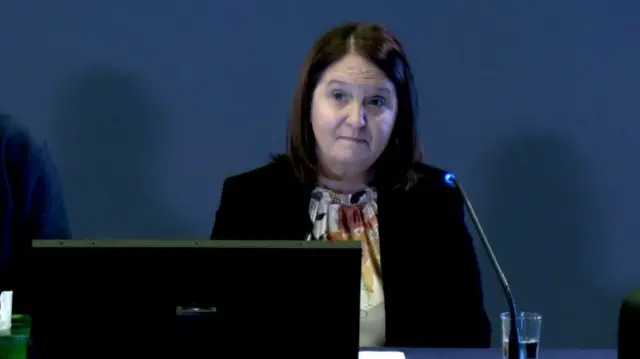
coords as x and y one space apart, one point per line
353 171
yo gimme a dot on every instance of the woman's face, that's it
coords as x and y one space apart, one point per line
352 114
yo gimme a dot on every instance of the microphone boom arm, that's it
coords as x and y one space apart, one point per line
514 350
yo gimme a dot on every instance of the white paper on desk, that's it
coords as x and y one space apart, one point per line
380 355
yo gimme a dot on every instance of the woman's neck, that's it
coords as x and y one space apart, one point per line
344 185
342 178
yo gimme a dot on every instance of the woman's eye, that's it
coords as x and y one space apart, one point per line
377 101
339 95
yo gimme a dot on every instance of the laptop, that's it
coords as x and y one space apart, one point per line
192 299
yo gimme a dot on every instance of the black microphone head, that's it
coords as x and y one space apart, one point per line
629 326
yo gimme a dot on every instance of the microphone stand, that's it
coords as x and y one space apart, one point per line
514 350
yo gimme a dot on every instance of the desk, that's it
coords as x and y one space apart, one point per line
494 353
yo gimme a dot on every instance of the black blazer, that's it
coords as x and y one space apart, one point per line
433 291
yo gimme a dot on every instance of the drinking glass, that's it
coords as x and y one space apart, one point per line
529 325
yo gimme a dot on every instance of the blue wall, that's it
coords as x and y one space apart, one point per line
533 104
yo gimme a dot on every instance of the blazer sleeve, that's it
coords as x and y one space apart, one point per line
224 218
468 286
228 217
35 187
46 212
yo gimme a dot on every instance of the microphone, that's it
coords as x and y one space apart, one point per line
629 326
514 349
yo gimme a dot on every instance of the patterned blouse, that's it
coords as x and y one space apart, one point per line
344 217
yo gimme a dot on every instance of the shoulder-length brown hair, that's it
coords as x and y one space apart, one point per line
383 49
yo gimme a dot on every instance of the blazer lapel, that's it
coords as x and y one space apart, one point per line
392 207
293 211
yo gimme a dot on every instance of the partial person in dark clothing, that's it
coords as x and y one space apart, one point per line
31 199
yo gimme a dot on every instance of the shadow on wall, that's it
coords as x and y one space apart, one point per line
543 213
110 129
